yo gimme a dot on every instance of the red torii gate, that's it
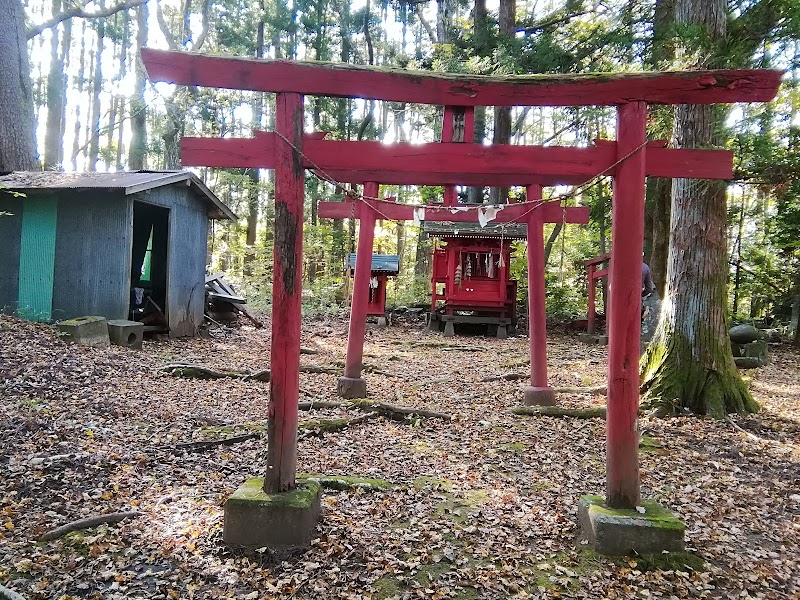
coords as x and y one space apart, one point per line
629 159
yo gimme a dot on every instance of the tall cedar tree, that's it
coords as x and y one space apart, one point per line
17 149
689 363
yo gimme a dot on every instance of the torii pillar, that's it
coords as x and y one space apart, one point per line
538 392
352 384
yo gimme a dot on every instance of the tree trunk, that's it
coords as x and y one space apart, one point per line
138 148
502 114
689 363
97 85
17 147
56 92
480 47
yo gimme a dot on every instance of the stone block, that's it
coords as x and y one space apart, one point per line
591 338
128 334
349 387
622 531
539 396
255 519
743 334
86 331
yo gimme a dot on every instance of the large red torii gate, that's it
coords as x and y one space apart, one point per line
629 160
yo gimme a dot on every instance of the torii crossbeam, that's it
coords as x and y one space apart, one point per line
628 160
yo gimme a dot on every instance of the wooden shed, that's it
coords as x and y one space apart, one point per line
118 245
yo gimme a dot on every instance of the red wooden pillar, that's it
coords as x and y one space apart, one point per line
538 392
352 385
287 287
592 316
625 286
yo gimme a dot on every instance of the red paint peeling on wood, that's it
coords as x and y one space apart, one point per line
625 284
286 297
453 163
425 87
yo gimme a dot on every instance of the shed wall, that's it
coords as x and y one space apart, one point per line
10 234
188 236
93 247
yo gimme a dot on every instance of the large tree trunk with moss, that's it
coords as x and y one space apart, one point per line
689 364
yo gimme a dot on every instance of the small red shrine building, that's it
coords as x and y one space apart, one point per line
383 266
470 280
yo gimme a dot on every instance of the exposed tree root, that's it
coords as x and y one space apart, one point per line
207 444
602 390
7 594
88 523
390 411
674 380
200 372
506 377
560 411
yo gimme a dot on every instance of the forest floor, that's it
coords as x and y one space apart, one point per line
484 506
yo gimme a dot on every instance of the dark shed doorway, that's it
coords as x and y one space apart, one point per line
149 266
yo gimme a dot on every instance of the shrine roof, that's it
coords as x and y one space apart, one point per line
508 231
385 263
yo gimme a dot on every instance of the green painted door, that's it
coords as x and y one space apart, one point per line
37 258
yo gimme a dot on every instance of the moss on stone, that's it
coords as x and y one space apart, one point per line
346 482
655 514
252 490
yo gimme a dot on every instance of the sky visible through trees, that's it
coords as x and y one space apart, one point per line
95 111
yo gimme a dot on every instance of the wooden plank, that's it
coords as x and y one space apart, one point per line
226 298
287 287
452 163
552 212
625 285
425 87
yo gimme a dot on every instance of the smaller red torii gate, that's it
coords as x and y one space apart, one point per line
534 213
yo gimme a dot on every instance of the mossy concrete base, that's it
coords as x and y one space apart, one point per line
350 387
87 331
255 519
539 396
622 531
125 333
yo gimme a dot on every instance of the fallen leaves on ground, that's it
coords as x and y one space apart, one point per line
484 505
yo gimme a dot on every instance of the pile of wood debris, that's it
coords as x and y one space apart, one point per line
223 304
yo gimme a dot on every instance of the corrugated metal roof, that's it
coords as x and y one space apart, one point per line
128 182
492 230
387 263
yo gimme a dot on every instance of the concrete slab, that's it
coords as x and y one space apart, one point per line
539 396
591 338
255 519
86 331
621 531
128 334
348 387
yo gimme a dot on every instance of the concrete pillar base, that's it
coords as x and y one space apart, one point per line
502 332
539 396
126 333
383 322
623 531
449 329
255 519
87 331
349 387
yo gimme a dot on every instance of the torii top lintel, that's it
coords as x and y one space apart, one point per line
425 87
